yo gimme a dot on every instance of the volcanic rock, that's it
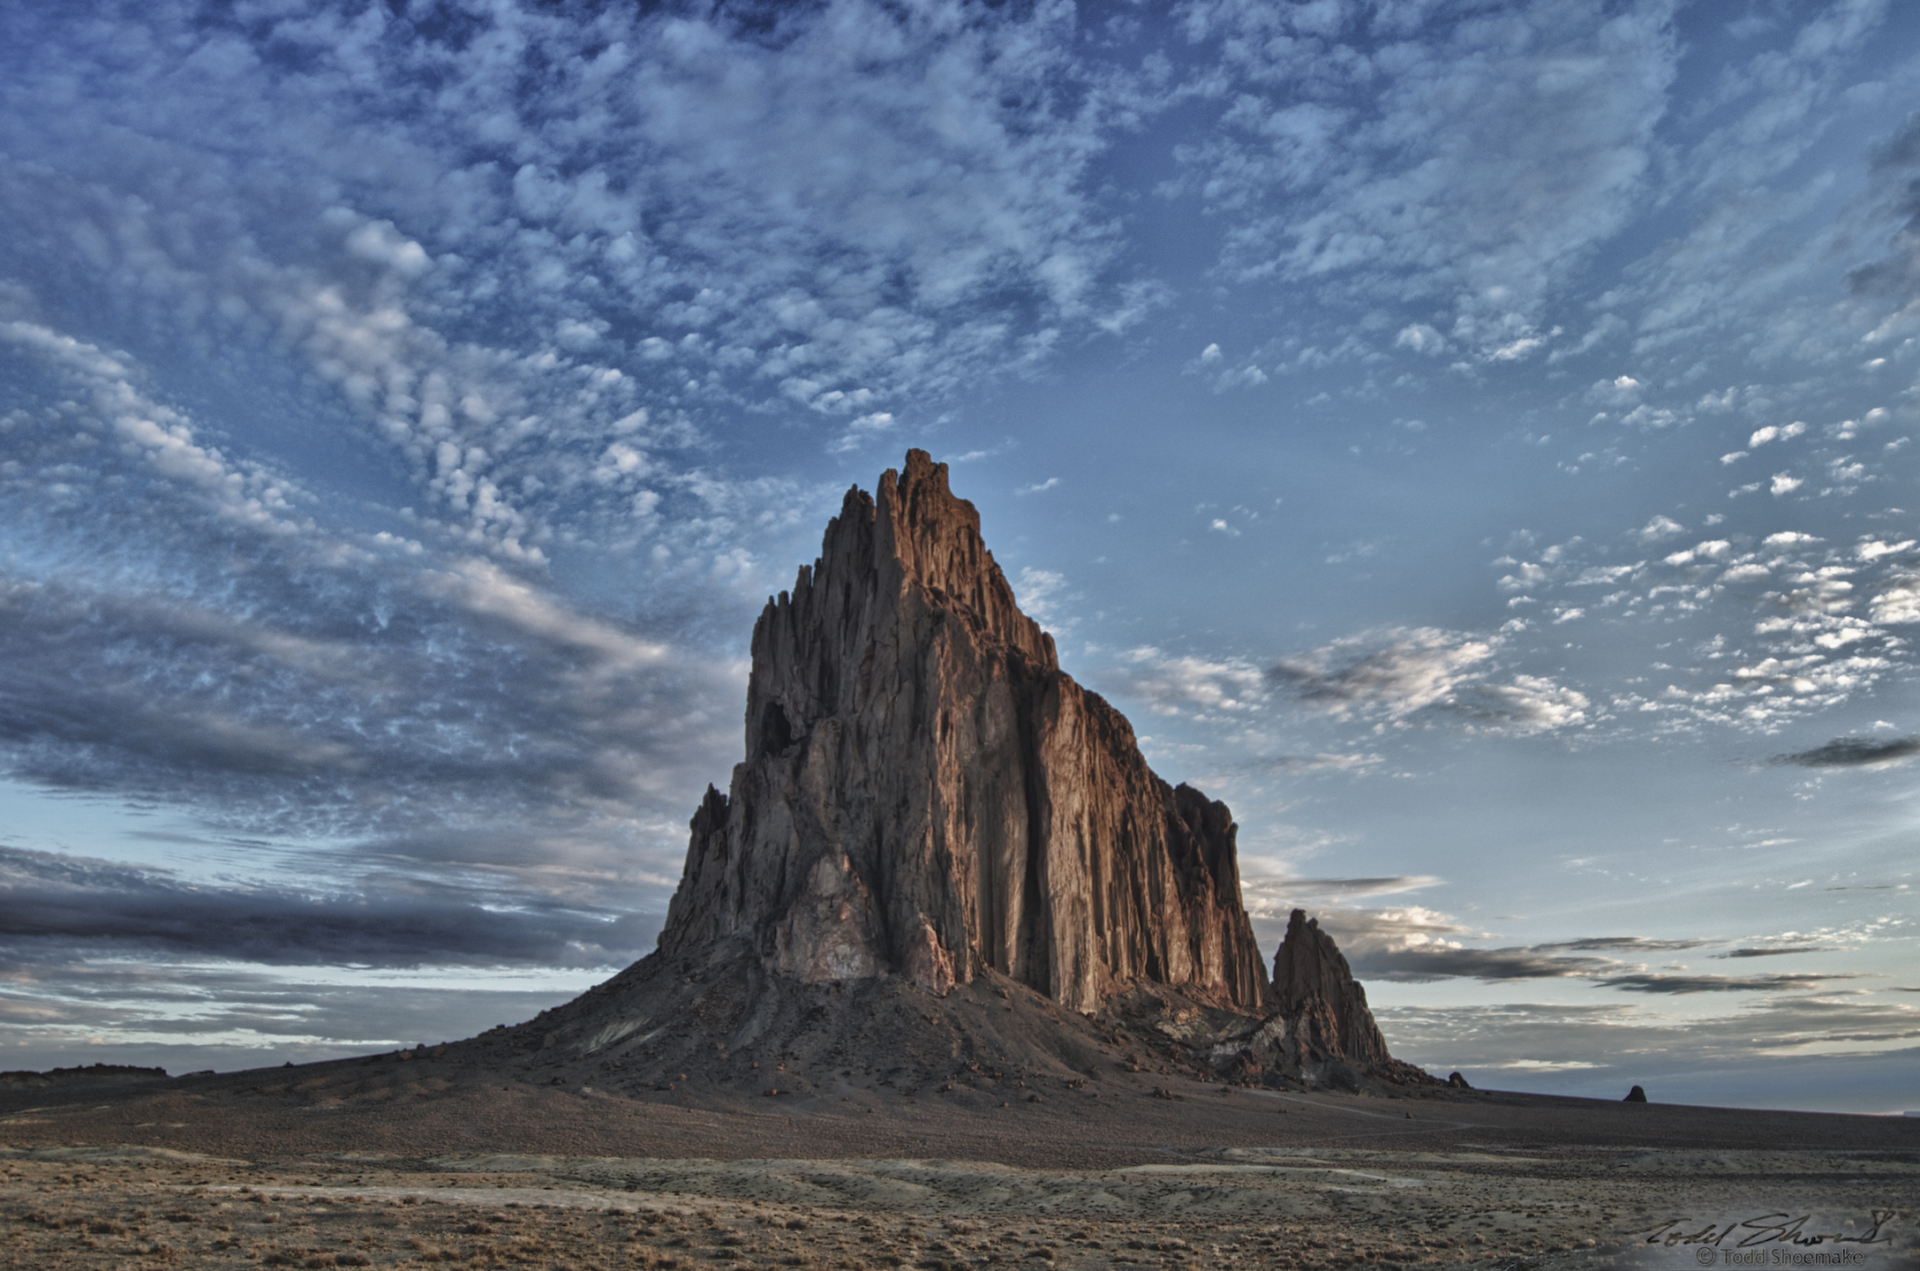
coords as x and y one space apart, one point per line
1318 1030
1314 988
944 866
927 795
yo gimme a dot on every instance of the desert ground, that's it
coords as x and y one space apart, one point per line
436 1160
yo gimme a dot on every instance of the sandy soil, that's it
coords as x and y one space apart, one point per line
379 1162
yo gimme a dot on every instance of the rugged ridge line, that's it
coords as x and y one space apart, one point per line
926 794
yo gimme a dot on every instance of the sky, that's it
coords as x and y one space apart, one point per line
1473 439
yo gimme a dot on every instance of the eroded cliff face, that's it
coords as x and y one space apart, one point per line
926 794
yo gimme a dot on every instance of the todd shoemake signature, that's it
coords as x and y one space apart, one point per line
1743 1243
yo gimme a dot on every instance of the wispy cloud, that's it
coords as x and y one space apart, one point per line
577 231
1649 982
1360 762
1275 897
1398 674
1632 1038
199 1013
1419 945
1173 684
1854 752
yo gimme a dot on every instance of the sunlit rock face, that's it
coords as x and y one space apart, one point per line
927 795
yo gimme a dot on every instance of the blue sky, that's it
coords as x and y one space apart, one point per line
1472 439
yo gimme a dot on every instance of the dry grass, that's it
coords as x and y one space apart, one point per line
173 1211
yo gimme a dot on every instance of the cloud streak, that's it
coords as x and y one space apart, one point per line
1854 752
1419 945
1401 674
62 902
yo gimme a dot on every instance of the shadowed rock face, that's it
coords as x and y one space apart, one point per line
1314 989
926 794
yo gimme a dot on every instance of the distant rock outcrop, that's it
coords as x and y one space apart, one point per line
104 1074
1314 988
1319 1030
927 795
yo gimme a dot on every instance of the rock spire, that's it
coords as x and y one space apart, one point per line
926 794
1314 989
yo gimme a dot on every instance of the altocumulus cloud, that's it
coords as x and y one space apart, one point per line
1401 674
1396 676
1366 178
181 625
535 199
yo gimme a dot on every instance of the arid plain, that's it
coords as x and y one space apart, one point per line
429 1160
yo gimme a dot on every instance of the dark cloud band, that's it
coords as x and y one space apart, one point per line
1853 752
59 902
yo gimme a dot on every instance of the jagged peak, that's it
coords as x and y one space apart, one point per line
1313 984
1307 964
933 537
914 532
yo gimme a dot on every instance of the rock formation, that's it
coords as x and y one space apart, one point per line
927 795
1318 1030
1314 989
929 807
